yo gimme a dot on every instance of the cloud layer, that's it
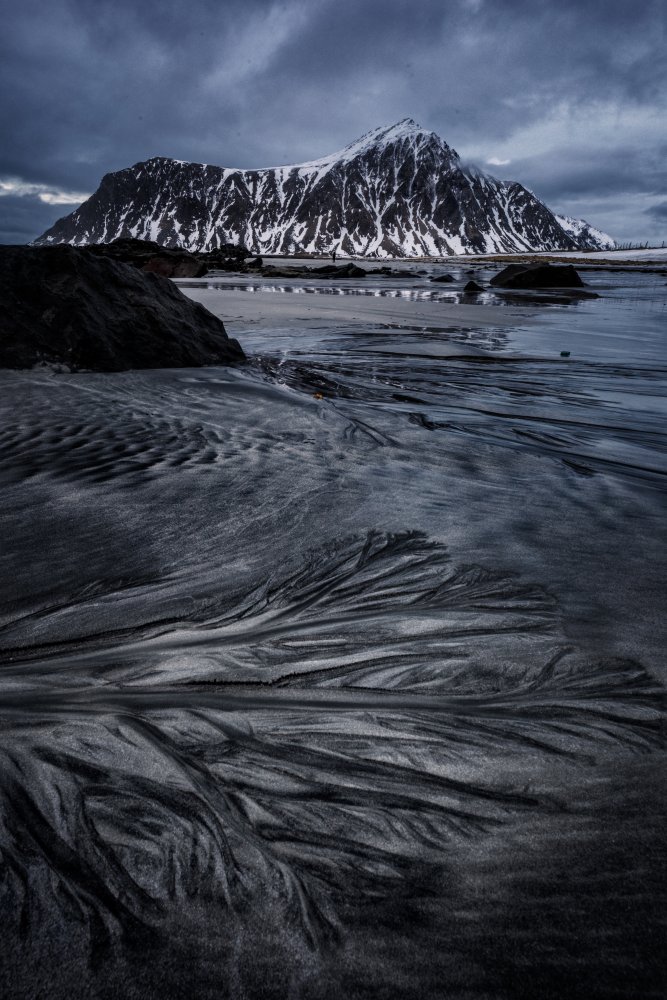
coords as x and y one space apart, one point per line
568 98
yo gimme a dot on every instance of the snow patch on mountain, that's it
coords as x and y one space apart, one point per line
398 191
589 237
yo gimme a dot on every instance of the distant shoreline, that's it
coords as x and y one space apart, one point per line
648 260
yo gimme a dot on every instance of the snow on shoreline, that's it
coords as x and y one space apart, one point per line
658 253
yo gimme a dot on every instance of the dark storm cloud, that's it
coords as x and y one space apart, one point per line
658 212
25 216
572 93
620 170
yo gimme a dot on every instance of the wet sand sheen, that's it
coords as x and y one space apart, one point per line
338 696
240 308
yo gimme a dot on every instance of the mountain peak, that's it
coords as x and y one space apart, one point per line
398 190
386 135
389 133
404 131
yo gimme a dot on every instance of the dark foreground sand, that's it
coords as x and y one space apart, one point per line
340 675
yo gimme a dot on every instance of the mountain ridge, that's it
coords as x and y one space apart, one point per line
397 191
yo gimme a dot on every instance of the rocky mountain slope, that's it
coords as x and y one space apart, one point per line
396 191
586 236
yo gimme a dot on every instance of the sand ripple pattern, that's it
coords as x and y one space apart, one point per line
348 721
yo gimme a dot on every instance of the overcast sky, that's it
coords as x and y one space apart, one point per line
568 97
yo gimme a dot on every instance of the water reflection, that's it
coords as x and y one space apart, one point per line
421 292
415 294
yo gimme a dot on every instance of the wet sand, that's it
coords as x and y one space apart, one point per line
341 674
240 309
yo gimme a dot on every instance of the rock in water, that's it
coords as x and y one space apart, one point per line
472 288
326 271
537 276
350 271
65 306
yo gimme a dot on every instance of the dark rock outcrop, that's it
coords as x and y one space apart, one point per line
326 271
271 271
528 276
349 270
170 263
185 268
444 279
388 272
71 307
230 257
471 288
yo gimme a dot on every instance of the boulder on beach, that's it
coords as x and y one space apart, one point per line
270 271
471 288
326 271
230 257
66 306
150 256
175 266
444 279
127 250
170 262
388 272
349 270
537 276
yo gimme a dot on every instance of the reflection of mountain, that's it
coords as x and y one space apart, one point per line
397 191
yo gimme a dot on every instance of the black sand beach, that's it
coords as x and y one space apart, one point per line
341 673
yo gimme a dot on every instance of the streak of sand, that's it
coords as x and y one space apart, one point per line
241 309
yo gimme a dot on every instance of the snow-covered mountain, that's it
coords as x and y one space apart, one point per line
587 236
398 191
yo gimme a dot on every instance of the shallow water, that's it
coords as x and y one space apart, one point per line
341 674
